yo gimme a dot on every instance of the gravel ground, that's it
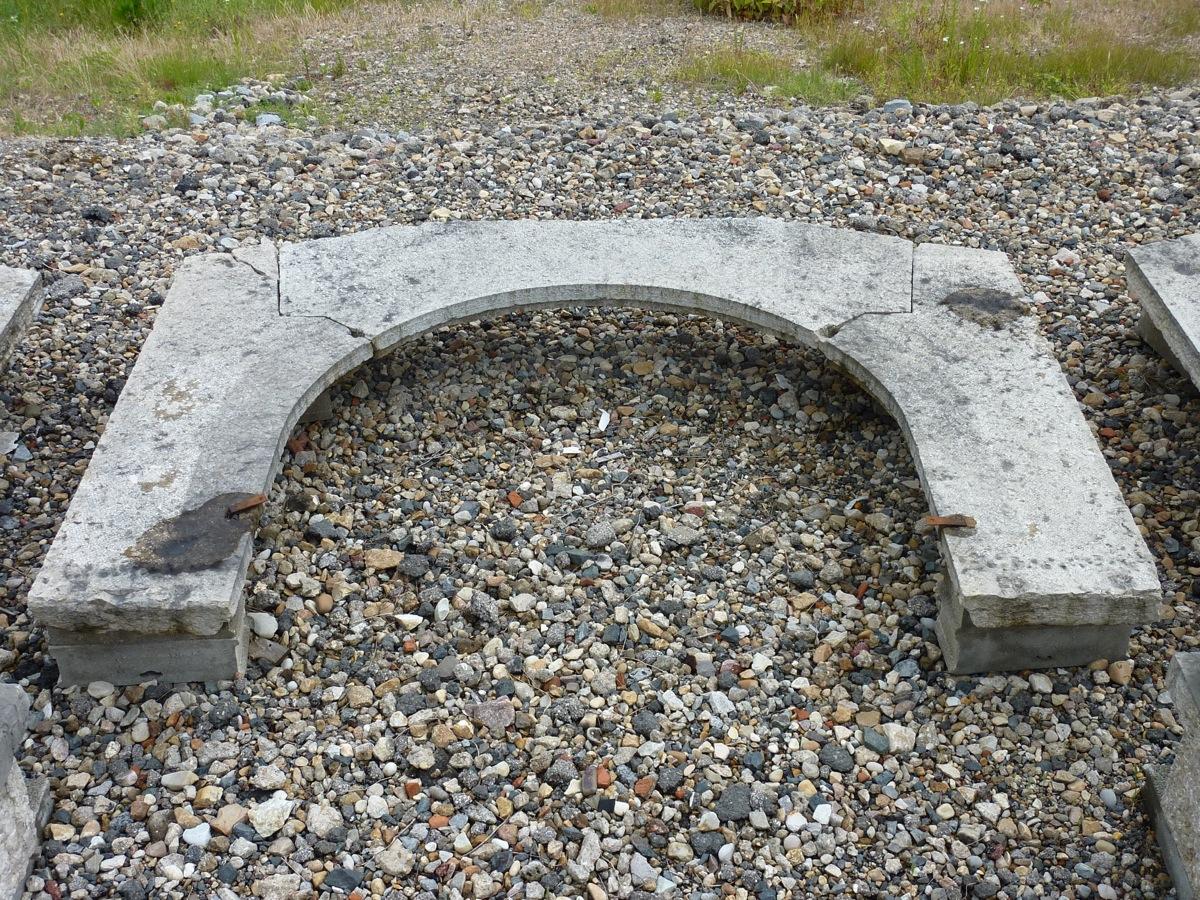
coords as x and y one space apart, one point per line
604 603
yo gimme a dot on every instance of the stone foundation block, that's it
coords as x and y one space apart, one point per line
20 300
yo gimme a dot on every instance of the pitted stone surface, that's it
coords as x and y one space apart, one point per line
237 356
24 803
14 716
1174 795
1164 278
20 300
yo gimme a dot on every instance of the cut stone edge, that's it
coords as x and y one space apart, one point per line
1183 681
1157 324
20 309
25 803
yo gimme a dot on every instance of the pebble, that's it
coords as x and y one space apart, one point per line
263 624
198 836
1041 683
271 815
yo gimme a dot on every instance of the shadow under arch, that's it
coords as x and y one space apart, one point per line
492 392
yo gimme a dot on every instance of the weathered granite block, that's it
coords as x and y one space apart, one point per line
24 802
148 560
149 556
1055 571
20 300
1174 795
14 717
1164 277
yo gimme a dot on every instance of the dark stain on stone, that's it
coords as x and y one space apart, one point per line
1183 260
195 539
985 306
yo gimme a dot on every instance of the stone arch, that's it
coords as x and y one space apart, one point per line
145 577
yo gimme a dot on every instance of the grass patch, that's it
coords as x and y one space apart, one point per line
946 51
632 10
777 10
112 16
949 51
738 68
529 10
138 51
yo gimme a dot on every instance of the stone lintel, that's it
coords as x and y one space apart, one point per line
997 435
148 547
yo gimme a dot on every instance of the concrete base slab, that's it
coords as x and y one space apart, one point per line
1149 333
148 554
967 649
132 658
1164 278
1176 865
20 300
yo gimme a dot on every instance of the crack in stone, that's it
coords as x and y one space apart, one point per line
254 268
352 331
830 331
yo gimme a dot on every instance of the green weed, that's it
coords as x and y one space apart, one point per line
738 68
935 50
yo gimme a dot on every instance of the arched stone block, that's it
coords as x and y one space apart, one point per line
1164 277
145 577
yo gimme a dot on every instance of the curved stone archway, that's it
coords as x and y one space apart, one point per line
145 577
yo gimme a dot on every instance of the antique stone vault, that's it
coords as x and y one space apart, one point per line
145 578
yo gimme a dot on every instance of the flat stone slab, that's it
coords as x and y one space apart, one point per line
20 301
154 550
395 283
1173 795
1164 278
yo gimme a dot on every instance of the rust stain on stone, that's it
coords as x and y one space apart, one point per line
195 539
